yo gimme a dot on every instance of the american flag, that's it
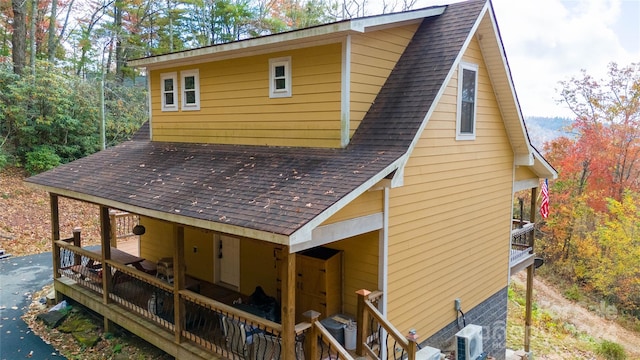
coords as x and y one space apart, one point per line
544 206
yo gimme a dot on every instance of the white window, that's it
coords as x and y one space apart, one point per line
169 89
280 77
467 96
190 90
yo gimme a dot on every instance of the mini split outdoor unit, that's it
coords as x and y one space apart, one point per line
428 353
469 343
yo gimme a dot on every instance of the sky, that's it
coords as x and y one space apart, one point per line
548 41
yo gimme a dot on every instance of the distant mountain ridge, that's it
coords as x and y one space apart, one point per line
544 129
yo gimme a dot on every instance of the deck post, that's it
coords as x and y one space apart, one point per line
114 228
55 236
361 320
412 339
178 281
311 340
107 286
288 315
530 272
77 241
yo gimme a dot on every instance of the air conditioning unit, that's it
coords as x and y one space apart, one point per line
469 343
428 353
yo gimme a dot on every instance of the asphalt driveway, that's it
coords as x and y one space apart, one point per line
19 278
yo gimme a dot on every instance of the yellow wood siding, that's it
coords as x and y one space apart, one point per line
257 267
524 173
370 202
373 56
450 222
157 243
235 107
198 253
360 267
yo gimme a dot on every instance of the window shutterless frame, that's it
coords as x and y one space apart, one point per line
190 87
467 101
280 77
169 91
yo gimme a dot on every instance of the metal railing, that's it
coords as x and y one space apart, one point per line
521 241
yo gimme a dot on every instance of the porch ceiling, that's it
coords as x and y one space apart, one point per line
273 190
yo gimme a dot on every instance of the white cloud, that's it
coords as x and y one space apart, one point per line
548 41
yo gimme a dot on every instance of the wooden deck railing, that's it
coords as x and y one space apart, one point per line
122 224
376 337
212 325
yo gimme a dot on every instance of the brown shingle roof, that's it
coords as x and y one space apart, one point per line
270 189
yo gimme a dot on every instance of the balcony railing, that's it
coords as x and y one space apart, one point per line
521 241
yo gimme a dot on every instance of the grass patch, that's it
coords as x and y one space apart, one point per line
611 350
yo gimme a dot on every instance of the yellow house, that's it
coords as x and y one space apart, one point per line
361 170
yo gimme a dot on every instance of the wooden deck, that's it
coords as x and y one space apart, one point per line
130 245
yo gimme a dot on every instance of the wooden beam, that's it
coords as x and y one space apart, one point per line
55 236
362 318
178 281
530 272
528 309
288 276
105 234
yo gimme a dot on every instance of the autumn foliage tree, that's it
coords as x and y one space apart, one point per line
592 233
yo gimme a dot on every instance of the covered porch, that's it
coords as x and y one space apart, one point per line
192 318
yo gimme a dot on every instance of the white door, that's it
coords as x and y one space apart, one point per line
228 260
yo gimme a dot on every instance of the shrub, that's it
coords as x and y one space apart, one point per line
573 293
41 159
611 350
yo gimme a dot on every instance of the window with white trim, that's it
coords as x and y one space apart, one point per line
169 90
467 98
190 89
280 77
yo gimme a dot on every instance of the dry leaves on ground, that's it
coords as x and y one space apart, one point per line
25 219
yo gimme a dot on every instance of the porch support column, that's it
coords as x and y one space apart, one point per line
55 236
105 235
529 290
178 281
288 276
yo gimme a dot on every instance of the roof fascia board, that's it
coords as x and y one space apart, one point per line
179 219
305 233
379 22
325 234
444 84
524 159
214 50
525 184
313 34
542 166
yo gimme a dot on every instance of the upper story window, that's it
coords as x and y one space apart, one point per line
190 90
169 89
280 77
467 96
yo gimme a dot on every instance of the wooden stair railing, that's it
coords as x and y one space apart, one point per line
366 312
316 332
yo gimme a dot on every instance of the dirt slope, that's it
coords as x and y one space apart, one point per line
598 327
